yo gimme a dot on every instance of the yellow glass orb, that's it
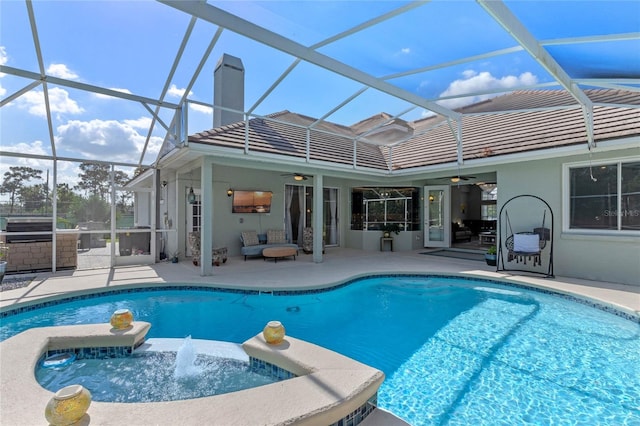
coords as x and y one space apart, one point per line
273 332
68 405
122 318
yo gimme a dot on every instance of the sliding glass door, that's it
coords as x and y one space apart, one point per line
299 213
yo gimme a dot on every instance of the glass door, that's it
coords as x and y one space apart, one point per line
194 218
299 213
437 216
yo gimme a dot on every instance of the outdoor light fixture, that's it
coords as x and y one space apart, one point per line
192 196
431 198
229 192
164 183
455 179
298 177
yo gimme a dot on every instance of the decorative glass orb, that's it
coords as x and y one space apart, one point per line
273 332
68 405
121 319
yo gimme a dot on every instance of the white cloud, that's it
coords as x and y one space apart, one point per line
201 108
59 101
3 60
140 123
405 50
473 82
61 70
177 93
35 148
106 140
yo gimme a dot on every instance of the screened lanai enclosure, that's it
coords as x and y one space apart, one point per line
110 112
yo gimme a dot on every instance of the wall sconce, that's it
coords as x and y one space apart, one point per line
229 192
431 198
164 184
192 196
462 207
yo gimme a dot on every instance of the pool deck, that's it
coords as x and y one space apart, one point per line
339 265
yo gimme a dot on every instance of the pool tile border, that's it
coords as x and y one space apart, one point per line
270 370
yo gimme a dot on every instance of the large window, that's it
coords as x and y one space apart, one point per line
371 208
604 197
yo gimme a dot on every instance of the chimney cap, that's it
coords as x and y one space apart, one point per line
230 61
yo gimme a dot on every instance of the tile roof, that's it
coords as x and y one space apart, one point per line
514 123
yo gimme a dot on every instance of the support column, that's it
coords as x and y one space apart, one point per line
206 204
318 215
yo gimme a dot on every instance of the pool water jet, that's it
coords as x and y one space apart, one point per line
186 360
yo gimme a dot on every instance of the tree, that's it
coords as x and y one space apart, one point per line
15 179
67 199
94 180
33 198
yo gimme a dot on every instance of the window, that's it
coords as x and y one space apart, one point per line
371 208
489 208
604 197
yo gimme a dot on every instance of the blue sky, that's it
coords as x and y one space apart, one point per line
131 45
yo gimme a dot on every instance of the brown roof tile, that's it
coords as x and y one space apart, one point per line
512 128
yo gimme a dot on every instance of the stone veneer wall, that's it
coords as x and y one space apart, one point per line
35 256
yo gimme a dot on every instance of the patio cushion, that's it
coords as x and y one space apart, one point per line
250 238
526 243
276 236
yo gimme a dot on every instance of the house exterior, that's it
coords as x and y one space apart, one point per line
538 143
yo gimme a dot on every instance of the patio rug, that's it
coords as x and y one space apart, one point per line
456 254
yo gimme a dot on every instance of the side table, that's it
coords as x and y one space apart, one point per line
384 241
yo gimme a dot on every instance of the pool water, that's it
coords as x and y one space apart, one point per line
150 377
454 351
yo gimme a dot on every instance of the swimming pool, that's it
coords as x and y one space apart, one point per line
453 351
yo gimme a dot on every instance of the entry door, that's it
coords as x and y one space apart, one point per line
437 216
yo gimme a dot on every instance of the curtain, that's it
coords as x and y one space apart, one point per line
333 226
301 215
288 197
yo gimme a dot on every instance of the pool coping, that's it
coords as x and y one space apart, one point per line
329 386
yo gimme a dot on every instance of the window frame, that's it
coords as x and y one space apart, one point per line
566 197
410 204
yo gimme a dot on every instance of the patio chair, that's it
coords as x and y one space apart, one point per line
218 254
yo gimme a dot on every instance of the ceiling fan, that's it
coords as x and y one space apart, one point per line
458 178
297 176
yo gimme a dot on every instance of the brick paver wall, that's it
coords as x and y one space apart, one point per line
35 256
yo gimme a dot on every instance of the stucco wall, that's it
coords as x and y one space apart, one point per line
596 257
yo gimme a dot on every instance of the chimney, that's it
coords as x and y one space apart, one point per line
228 90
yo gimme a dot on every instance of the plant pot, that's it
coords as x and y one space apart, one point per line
490 259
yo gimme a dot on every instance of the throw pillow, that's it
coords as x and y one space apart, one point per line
526 243
276 236
250 238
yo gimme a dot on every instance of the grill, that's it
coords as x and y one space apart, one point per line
29 224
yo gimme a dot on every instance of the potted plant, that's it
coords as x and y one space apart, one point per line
175 257
388 228
4 254
491 256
